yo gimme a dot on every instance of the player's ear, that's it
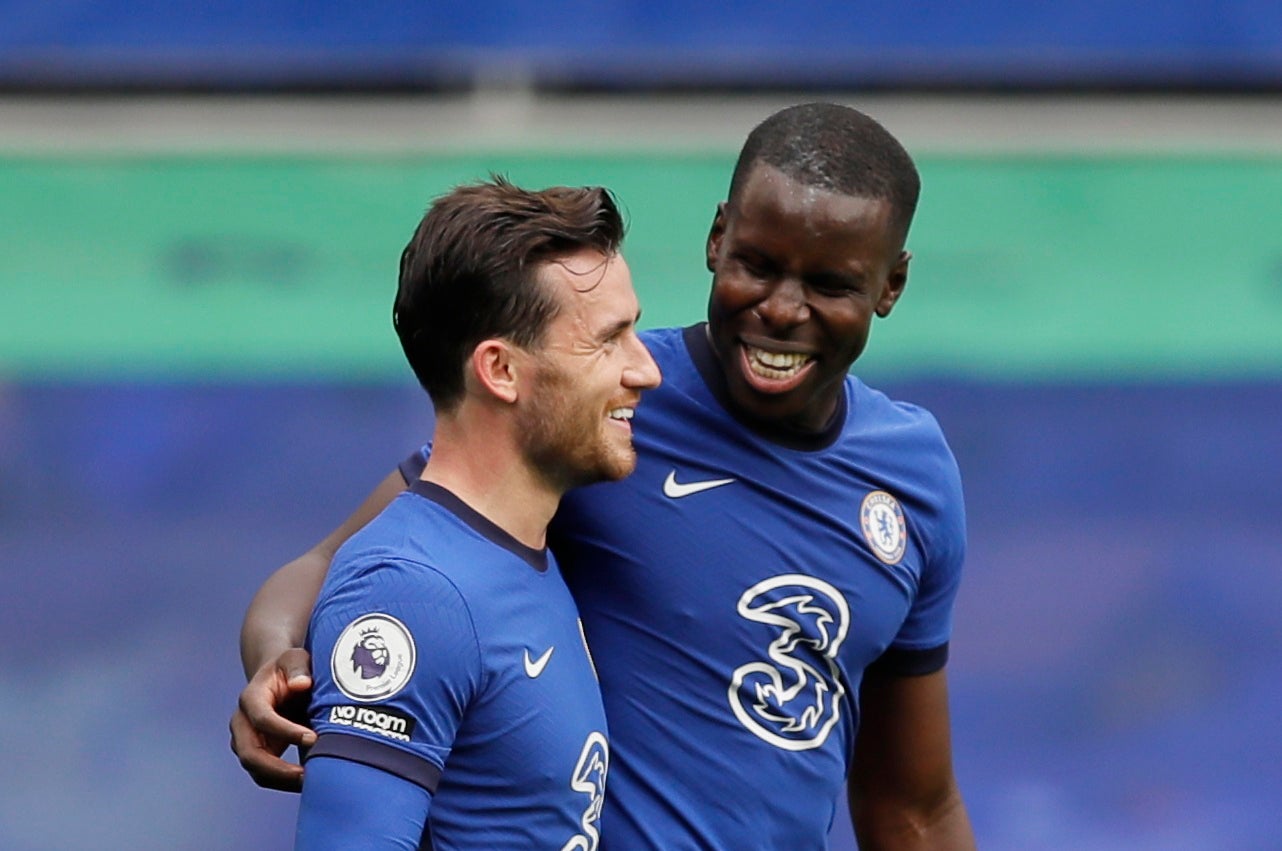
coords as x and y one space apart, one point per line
493 369
715 233
896 280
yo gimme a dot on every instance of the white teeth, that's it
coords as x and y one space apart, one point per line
621 413
776 364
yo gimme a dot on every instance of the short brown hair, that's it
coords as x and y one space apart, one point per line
468 273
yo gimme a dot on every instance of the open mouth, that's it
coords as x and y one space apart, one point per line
772 371
622 416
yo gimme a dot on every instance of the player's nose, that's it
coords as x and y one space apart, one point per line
785 306
642 372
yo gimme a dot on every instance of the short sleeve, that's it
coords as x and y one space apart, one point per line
921 646
396 664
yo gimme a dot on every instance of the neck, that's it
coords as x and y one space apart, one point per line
477 458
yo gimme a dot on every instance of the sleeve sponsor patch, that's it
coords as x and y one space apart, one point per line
385 721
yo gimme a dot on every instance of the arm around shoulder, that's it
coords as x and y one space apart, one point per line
277 616
271 651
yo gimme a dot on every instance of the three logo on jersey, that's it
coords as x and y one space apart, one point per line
791 701
589 779
794 696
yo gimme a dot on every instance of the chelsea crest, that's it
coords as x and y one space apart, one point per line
884 527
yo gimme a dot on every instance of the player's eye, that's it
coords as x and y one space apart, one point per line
754 266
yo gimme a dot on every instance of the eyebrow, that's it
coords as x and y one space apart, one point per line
851 278
619 327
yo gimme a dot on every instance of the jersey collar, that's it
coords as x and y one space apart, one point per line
482 525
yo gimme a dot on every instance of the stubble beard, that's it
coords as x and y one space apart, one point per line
566 444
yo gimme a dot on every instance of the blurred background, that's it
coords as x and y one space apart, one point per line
201 210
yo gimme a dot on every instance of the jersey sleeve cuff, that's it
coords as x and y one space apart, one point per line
393 760
906 662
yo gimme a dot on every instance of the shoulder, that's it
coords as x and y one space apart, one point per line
667 346
409 548
670 348
662 338
902 446
404 594
910 426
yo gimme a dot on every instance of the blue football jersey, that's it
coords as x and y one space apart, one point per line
735 588
449 655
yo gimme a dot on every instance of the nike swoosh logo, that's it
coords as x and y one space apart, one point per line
675 490
534 667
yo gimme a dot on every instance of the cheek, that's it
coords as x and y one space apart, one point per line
731 294
849 325
595 387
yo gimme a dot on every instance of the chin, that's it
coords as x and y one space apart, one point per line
625 469
618 467
753 400
607 467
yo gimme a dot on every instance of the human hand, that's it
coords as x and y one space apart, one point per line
261 727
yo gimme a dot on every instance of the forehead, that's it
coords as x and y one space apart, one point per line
592 289
771 201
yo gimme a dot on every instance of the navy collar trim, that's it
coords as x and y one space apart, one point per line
482 525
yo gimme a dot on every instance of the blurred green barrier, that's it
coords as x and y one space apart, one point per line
194 267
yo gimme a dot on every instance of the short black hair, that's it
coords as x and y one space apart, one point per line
837 148
469 273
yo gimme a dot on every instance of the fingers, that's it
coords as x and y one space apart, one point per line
295 665
261 757
260 732
263 700
270 725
